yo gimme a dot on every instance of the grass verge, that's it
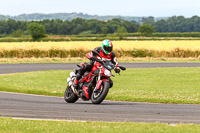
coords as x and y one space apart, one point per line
160 85
8 125
41 60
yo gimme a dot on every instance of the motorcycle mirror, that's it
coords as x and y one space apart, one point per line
122 68
96 53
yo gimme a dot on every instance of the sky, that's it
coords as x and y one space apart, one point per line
156 8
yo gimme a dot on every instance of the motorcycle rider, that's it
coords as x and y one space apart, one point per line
105 51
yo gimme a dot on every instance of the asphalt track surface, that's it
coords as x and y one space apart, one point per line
16 68
45 107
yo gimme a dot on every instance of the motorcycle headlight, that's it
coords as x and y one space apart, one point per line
69 79
72 74
107 73
110 67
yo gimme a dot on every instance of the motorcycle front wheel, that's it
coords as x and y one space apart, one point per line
69 95
99 95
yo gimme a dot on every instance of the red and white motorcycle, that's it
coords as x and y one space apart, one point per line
94 85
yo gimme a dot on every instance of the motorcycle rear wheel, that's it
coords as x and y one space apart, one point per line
69 95
103 93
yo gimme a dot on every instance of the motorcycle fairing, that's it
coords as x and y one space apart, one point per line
85 89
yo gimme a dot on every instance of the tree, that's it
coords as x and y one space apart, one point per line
121 31
95 26
146 29
17 33
78 25
161 26
148 20
104 30
130 26
113 25
36 30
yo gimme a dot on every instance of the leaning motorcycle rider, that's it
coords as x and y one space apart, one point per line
105 51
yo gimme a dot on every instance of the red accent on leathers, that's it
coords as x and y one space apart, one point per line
81 64
89 55
105 56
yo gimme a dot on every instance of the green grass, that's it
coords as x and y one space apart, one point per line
9 125
160 85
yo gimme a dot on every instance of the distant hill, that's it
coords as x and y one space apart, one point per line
69 16
2 17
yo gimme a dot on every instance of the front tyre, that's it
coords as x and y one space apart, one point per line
69 95
99 95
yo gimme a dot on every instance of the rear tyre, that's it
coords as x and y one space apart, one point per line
98 96
69 95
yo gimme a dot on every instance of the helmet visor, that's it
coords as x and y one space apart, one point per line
108 49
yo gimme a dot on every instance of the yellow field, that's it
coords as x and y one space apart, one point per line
156 49
88 45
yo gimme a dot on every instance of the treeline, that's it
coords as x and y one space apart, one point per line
82 26
69 16
76 26
175 24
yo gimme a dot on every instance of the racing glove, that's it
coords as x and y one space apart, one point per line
96 59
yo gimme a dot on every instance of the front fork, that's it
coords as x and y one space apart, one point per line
99 81
74 90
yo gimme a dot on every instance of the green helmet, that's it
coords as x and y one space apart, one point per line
107 46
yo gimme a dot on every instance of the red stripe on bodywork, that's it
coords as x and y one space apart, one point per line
99 83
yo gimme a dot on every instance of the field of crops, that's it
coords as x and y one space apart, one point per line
80 48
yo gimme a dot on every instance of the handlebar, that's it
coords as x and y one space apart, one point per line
101 62
122 68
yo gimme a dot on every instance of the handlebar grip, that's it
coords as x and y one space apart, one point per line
122 68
